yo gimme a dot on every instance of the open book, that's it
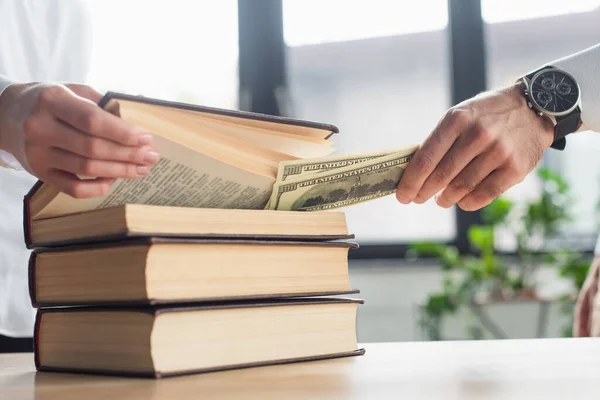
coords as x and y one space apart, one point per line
210 158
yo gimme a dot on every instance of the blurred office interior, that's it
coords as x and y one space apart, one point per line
384 72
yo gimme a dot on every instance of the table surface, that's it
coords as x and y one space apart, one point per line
504 369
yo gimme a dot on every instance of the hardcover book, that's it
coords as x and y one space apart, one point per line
165 341
210 158
155 271
135 220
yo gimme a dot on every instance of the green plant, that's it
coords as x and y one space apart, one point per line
470 279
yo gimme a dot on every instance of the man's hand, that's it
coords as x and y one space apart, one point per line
479 149
584 309
58 132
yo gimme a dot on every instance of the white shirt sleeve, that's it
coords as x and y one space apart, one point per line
585 68
5 82
6 159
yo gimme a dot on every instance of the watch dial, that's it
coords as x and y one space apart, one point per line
554 91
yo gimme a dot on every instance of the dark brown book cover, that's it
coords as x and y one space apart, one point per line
159 240
27 212
218 111
126 235
156 310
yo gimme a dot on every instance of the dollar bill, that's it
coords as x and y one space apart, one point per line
341 187
298 168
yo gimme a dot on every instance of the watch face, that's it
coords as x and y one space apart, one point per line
555 92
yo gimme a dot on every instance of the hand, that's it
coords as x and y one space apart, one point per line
582 321
58 132
478 150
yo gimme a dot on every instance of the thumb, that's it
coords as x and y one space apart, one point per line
582 317
584 307
85 92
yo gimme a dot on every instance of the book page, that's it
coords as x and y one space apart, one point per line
173 126
294 145
194 180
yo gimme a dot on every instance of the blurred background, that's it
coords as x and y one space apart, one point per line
384 72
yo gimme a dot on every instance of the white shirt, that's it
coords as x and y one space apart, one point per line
40 40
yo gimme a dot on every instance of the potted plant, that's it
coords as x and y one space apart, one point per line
473 281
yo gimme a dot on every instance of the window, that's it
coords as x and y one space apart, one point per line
172 50
522 36
379 71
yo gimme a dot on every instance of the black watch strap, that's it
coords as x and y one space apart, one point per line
559 144
565 126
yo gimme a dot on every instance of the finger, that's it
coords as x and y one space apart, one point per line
582 316
584 305
428 156
461 153
55 133
87 117
581 319
82 166
496 183
471 176
85 92
592 293
78 188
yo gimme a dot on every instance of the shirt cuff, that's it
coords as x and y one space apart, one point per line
585 68
5 82
7 160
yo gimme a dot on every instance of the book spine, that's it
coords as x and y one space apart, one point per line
27 214
31 279
36 339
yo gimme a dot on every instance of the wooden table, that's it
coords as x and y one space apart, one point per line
484 370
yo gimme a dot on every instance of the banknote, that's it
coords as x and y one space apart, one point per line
341 187
297 168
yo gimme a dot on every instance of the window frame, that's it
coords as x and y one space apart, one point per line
263 79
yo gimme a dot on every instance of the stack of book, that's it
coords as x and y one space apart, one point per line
137 283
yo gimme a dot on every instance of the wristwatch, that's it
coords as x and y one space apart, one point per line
554 93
